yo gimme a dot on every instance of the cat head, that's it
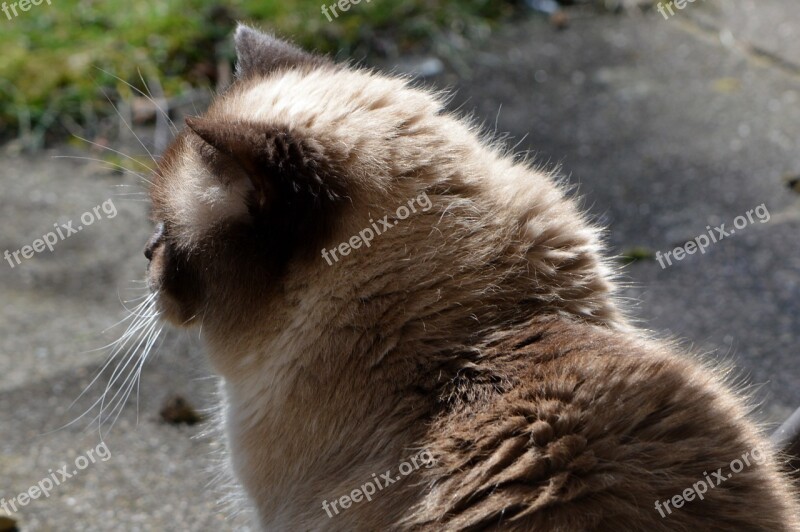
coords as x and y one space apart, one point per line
312 192
261 179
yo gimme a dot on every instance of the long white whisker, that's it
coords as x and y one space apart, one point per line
118 345
160 135
111 358
139 140
119 371
126 301
132 314
136 372
148 298
175 129
114 165
112 150
132 377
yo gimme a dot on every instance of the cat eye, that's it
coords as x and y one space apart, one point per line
154 241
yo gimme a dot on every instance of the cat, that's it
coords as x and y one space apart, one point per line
469 328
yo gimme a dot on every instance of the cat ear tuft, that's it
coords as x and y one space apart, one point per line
276 160
239 143
260 54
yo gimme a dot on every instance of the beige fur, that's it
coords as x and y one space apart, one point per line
484 330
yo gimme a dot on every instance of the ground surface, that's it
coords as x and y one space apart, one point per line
668 126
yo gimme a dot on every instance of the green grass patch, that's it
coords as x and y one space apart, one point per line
637 254
55 57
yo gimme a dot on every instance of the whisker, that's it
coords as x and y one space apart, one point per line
118 344
126 387
175 129
114 165
112 150
149 299
139 377
160 139
126 301
118 372
128 126
136 373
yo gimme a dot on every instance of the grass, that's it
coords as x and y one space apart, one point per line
637 254
60 62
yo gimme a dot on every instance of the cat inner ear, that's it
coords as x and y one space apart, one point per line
260 54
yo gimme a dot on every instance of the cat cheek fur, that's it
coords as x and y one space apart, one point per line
180 287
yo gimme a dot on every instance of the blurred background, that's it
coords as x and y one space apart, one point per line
668 120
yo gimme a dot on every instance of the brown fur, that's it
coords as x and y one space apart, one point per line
586 432
484 329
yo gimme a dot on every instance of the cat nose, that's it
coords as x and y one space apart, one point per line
154 241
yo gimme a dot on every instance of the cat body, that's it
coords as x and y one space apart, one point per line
470 316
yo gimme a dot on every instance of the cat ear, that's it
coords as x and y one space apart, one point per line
261 54
283 167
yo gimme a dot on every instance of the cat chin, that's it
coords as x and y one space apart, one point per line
173 312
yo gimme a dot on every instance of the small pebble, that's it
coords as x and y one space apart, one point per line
7 524
793 182
177 411
559 20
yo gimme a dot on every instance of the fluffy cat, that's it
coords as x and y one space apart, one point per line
477 326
